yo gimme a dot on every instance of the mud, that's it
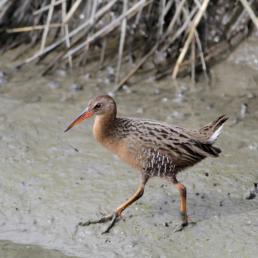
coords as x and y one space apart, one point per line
49 181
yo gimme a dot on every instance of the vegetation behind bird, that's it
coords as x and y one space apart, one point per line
175 36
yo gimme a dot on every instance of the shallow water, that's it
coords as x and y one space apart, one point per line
49 181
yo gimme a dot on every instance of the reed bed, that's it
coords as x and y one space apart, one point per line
175 36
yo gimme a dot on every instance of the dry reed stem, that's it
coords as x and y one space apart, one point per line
241 17
152 51
102 53
133 71
193 57
167 7
2 3
66 32
176 23
250 12
71 12
32 28
138 17
46 7
198 4
122 41
161 18
181 29
91 11
87 24
101 33
110 27
49 17
94 9
189 38
173 21
199 45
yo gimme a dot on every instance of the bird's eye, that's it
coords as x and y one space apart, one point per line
97 106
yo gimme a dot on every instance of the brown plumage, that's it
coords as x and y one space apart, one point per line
153 148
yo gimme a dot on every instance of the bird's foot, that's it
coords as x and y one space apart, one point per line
186 220
114 217
114 220
101 220
180 227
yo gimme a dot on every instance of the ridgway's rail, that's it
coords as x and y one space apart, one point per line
154 148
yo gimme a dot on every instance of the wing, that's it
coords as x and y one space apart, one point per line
162 149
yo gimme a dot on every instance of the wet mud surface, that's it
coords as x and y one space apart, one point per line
50 181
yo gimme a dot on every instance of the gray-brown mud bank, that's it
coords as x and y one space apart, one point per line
11 250
49 181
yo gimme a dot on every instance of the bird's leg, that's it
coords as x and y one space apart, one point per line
137 195
183 206
114 217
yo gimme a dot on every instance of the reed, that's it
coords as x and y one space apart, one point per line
177 36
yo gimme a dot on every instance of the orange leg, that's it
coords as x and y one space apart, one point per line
183 207
115 216
137 195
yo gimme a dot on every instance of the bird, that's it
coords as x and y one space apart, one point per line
155 149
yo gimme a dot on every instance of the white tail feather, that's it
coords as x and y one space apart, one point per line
215 135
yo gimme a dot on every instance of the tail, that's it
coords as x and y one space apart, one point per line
212 130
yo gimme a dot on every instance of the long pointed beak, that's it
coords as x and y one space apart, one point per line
84 115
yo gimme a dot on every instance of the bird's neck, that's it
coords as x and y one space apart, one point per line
103 126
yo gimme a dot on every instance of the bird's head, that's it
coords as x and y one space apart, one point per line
100 106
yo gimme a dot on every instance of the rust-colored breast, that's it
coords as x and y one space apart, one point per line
115 138
121 148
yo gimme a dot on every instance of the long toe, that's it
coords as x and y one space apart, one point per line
101 220
114 220
180 227
183 225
